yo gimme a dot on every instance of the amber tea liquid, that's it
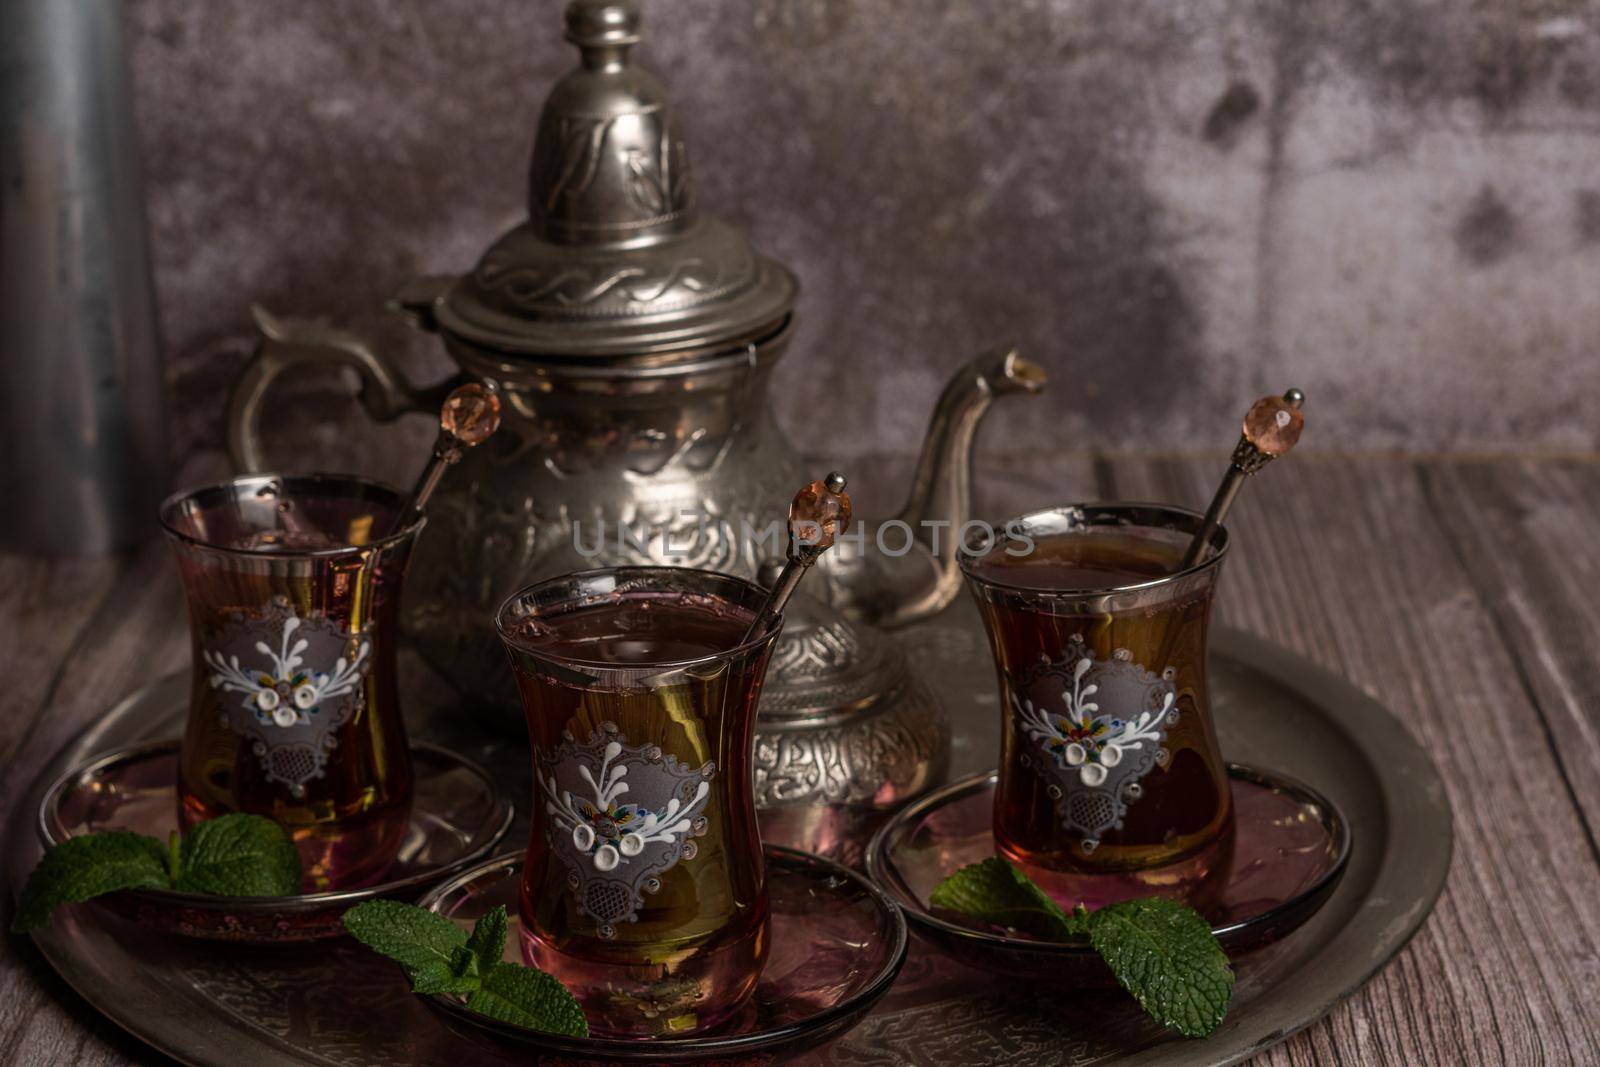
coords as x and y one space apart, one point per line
1111 781
644 890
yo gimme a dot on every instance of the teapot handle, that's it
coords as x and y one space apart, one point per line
285 343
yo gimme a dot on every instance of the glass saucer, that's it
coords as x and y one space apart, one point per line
458 817
837 944
1291 845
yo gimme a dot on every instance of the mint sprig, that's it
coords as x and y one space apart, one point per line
1165 955
528 997
1161 951
431 948
238 856
234 855
441 957
1000 895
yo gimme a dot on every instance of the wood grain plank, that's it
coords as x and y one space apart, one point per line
1346 562
44 605
132 632
136 632
43 1021
1526 532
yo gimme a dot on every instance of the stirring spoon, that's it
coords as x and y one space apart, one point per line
819 513
468 417
1271 428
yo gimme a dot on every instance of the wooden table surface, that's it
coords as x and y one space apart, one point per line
1463 594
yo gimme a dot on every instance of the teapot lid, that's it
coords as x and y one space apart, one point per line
614 259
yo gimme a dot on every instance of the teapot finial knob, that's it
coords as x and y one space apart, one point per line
603 29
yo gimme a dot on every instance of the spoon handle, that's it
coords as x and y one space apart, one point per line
470 416
1271 428
819 514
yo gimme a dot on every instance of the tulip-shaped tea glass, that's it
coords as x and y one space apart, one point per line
644 889
1111 783
293 585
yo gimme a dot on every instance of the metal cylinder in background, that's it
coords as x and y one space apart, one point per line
83 453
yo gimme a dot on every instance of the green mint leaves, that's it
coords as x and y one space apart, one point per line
238 856
1165 955
440 957
84 867
1000 895
431 948
530 998
1161 951
234 855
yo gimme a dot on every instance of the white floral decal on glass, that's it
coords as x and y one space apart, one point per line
297 678
1083 739
284 694
608 832
1100 726
618 817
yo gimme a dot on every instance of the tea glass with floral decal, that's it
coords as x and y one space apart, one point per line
644 889
1111 781
293 589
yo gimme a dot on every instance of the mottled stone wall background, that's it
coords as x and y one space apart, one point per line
1172 206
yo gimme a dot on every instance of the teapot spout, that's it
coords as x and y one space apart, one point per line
941 491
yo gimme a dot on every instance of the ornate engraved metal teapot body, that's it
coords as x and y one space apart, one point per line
632 338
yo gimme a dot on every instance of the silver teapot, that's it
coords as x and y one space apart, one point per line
631 337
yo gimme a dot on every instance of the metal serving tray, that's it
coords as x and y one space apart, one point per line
338 1004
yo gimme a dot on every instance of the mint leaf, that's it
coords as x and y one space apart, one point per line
238 855
999 894
488 941
431 948
235 855
441 958
83 867
1165 955
424 943
530 998
1161 951
459 976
